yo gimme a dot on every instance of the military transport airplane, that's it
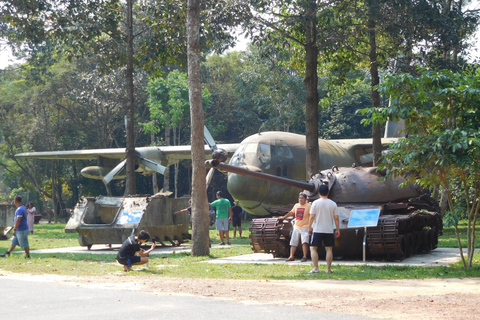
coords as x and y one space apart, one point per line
278 153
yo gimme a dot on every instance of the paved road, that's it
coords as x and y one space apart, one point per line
36 299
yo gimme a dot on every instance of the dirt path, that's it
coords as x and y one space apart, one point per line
388 299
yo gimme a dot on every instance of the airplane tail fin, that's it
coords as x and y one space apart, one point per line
395 129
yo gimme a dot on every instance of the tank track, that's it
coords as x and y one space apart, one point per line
391 240
270 235
403 229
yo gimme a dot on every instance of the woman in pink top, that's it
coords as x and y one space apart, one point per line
30 216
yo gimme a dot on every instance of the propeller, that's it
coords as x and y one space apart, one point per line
217 153
209 139
152 165
109 176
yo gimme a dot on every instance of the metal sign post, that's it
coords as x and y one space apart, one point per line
364 218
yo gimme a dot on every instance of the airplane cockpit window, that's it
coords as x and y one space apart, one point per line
242 151
238 156
251 148
264 153
280 149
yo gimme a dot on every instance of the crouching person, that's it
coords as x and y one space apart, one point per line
127 255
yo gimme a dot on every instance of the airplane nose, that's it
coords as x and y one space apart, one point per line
249 192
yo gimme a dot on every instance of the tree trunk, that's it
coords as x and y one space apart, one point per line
154 175
166 175
175 172
376 130
311 82
130 166
74 183
200 216
54 195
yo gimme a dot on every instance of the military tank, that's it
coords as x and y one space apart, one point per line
111 220
409 220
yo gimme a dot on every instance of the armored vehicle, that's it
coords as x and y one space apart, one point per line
409 220
110 220
7 212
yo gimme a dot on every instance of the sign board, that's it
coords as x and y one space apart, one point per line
363 218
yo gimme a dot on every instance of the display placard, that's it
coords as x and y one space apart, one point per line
363 218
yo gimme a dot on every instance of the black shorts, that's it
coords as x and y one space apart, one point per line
134 259
328 240
237 221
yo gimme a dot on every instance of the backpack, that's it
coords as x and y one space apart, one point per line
213 215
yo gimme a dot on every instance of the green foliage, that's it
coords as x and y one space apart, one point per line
441 112
338 117
168 102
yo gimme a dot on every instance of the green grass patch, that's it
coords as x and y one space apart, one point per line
184 265
449 239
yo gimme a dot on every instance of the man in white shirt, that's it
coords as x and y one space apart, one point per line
323 218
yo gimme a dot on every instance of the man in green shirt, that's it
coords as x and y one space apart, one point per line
224 215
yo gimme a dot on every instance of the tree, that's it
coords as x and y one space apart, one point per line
200 217
442 112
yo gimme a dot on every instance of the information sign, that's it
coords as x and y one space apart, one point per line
363 218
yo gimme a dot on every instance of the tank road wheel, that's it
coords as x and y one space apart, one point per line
402 242
430 239
417 244
421 241
409 245
433 237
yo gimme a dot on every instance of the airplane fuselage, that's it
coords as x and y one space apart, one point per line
283 154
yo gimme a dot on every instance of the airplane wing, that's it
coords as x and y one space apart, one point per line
168 154
89 154
361 143
362 149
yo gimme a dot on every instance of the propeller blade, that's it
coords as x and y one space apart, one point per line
109 176
217 153
210 175
152 165
209 139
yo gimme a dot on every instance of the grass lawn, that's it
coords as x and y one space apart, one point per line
184 265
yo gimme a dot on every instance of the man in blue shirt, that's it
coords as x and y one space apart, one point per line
20 229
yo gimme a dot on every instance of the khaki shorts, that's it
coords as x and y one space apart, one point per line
222 224
299 235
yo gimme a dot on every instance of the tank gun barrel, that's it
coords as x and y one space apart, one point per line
260 175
